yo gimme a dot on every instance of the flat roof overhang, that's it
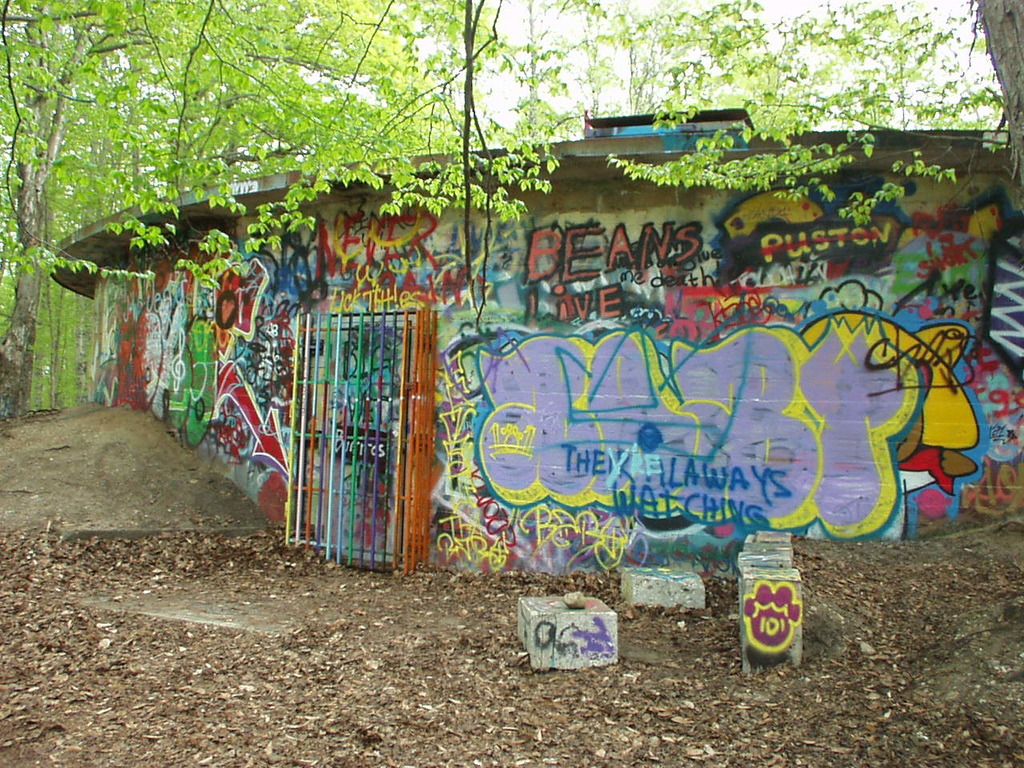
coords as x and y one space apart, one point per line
969 152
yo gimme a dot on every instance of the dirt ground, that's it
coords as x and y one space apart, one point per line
189 647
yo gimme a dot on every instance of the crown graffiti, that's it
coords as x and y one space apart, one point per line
508 438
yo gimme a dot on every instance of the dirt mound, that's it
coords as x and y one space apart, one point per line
96 469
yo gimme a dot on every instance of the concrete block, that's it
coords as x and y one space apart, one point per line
557 637
764 556
663 586
771 617
773 537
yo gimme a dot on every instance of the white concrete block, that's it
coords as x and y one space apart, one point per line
773 537
557 637
764 556
663 586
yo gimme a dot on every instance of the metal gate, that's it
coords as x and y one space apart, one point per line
363 437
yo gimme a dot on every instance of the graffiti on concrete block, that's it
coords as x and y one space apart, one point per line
772 612
571 640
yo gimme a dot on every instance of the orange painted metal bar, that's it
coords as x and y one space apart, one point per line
413 396
422 441
412 388
406 414
429 432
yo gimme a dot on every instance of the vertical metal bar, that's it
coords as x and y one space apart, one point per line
300 466
414 406
353 485
391 550
428 347
346 422
325 429
402 445
310 487
426 422
293 420
415 468
431 434
317 447
369 490
414 448
382 332
367 410
335 390
327 441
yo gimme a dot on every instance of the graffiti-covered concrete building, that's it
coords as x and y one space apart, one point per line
655 372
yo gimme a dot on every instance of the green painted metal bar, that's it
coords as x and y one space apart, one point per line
426 346
335 406
346 426
356 414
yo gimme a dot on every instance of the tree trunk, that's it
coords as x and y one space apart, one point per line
83 356
45 125
58 351
17 349
1003 22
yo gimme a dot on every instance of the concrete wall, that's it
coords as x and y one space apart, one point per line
656 374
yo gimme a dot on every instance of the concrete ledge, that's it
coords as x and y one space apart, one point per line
664 587
558 637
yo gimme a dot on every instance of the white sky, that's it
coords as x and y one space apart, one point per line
795 7
513 26
513 15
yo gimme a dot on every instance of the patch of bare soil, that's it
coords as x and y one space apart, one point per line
192 648
99 469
